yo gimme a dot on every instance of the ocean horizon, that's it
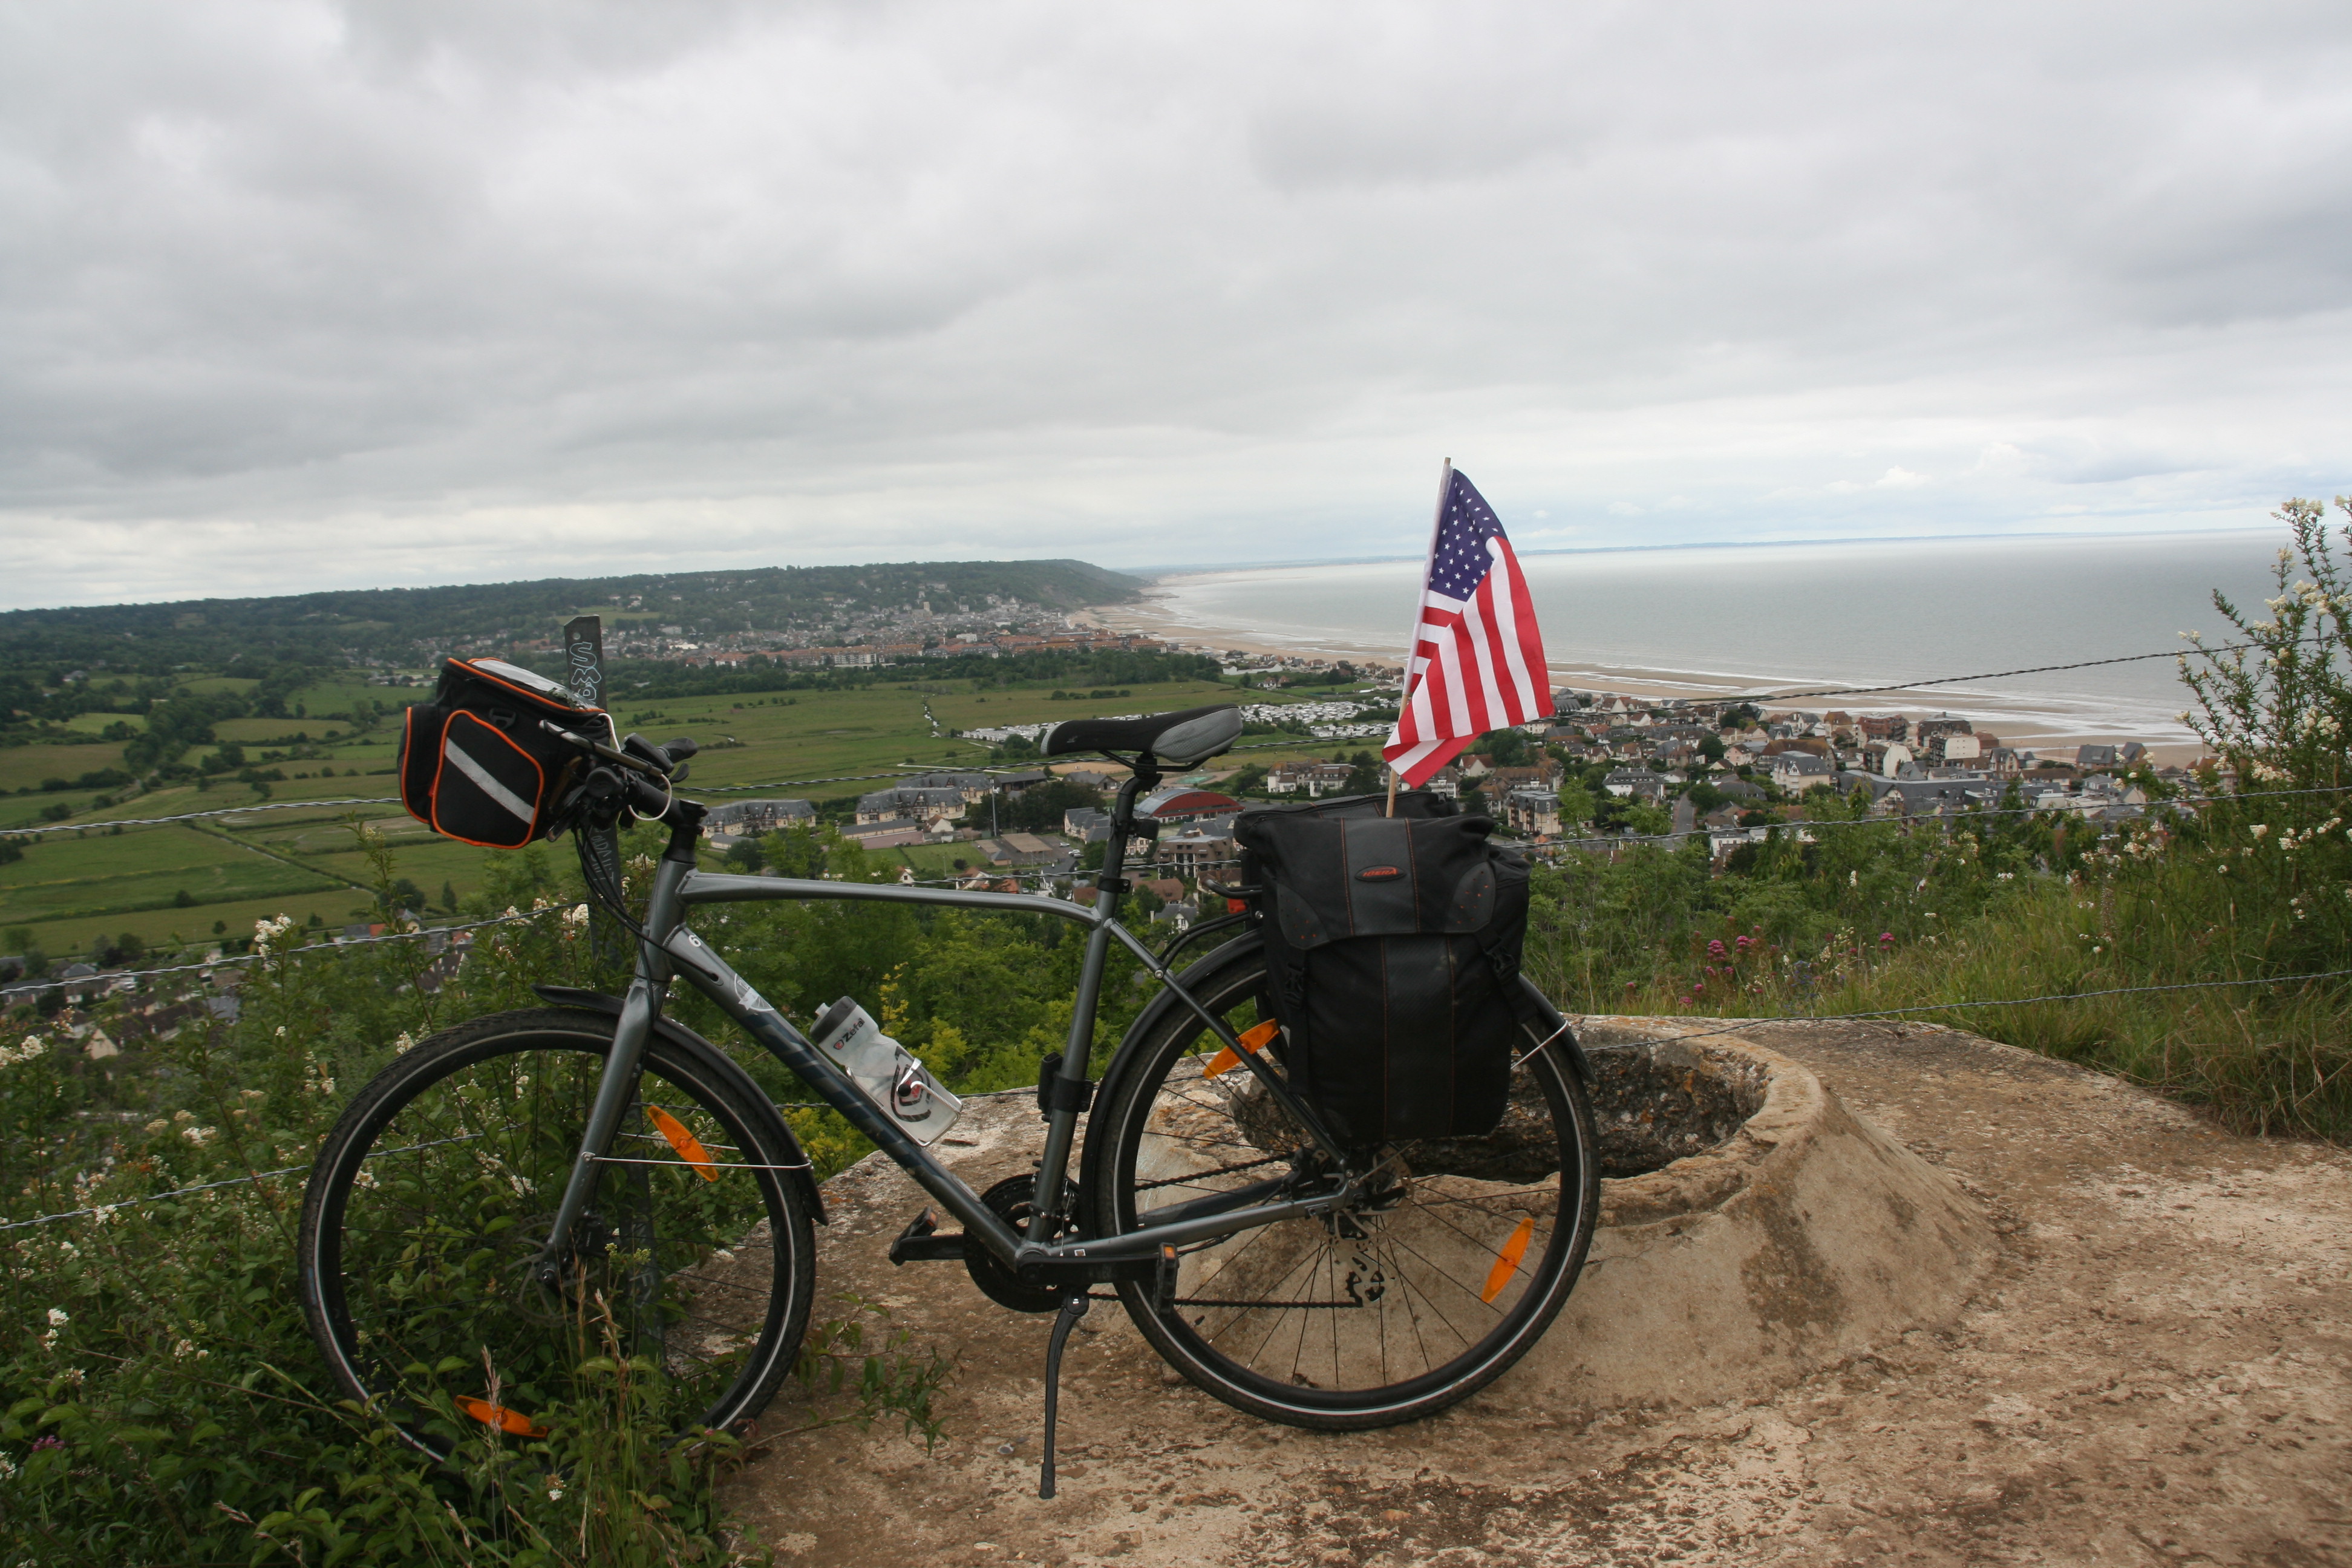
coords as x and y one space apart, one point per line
1720 619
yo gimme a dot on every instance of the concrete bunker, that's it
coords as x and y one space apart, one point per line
1752 1230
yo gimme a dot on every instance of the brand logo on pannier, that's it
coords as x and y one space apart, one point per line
1379 873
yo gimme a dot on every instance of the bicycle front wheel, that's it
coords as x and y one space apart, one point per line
1452 1262
433 1196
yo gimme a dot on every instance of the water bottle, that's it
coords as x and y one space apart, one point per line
891 1076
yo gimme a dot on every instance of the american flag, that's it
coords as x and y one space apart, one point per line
1477 661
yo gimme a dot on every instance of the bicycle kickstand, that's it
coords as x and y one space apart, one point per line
1073 1308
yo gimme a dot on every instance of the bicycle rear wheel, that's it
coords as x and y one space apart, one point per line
1453 1262
431 1196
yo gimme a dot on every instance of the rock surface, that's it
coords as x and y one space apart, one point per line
2152 1368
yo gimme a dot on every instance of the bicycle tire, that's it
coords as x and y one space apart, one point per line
423 1215
1367 1318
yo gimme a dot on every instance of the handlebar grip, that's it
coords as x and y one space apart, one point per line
677 750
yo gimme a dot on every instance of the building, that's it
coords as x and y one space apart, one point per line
1014 784
1888 727
1533 811
1205 846
1180 803
973 786
1314 779
1023 850
1638 783
910 804
742 818
1797 772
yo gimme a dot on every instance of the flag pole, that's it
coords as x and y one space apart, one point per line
1412 636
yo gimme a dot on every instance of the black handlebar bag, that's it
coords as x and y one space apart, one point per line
476 764
1393 944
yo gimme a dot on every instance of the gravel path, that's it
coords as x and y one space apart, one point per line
2156 1372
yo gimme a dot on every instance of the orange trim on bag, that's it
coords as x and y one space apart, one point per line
689 1148
1225 1061
479 673
1508 1263
538 796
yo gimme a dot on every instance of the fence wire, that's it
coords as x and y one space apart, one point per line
1732 1028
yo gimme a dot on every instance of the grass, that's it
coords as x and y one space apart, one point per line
68 887
227 877
24 767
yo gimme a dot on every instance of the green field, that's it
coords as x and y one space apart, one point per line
71 887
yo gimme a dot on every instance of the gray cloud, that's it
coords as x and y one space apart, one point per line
323 294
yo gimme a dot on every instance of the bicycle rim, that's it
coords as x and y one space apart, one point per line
1388 1310
433 1196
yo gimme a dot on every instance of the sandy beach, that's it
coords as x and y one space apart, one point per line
2018 721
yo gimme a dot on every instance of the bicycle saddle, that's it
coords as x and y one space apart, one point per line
1180 739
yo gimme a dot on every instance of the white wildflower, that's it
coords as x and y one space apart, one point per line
199 1136
363 1177
402 1044
184 1117
103 1213
158 1125
186 1348
60 1317
2259 830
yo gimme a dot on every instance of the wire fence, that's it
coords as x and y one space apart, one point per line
1734 1026
107 978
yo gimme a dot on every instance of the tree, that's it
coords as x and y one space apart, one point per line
1363 776
1576 803
797 852
1506 748
1649 820
1040 807
2279 711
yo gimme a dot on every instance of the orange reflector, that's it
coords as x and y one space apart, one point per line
692 1152
1508 1263
500 1417
1225 1061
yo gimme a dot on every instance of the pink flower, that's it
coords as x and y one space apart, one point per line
1886 939
1715 949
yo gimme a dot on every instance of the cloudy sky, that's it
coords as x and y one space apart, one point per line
297 294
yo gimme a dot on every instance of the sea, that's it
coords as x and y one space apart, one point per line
1717 620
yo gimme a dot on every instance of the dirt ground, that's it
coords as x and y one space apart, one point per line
2155 1372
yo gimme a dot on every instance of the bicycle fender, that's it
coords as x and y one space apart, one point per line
678 1033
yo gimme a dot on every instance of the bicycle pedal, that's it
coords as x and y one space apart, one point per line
1163 1281
919 1243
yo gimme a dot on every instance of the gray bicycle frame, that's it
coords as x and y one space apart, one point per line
676 952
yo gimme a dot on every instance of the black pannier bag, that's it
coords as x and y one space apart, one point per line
475 764
1393 944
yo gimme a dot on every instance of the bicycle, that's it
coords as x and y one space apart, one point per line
499 1183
